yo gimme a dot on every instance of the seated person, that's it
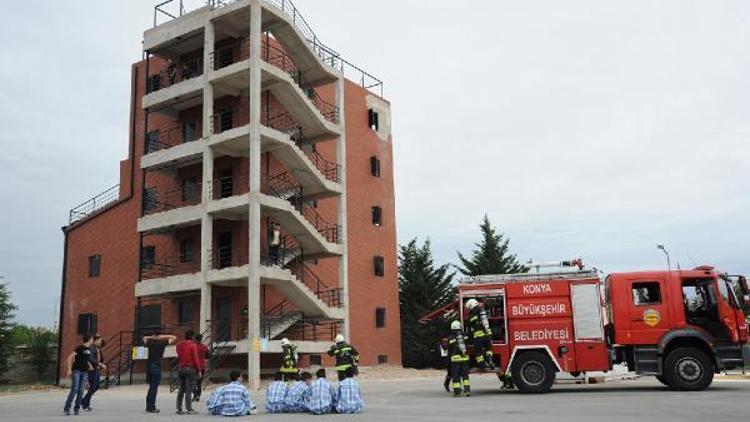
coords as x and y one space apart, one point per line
298 395
322 394
232 399
349 397
275 394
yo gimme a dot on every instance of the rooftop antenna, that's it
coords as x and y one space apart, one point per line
664 249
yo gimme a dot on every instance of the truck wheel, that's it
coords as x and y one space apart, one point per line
688 369
662 380
533 372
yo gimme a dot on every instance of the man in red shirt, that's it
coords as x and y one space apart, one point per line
188 367
202 356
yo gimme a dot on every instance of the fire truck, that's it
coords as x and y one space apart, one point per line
681 326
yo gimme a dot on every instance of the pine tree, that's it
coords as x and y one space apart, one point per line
6 324
492 255
423 287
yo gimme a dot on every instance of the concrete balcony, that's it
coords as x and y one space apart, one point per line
169 284
181 95
171 219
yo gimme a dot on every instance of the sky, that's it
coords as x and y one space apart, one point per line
581 128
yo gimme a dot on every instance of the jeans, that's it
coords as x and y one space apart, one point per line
77 381
93 386
273 254
198 388
187 385
153 376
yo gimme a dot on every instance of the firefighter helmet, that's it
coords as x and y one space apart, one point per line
285 341
471 303
456 325
339 338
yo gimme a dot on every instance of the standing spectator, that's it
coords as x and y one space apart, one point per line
97 364
79 364
276 393
202 356
322 395
155 343
298 397
232 399
274 243
188 369
349 397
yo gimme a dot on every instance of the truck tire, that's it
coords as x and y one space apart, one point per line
662 380
688 369
533 372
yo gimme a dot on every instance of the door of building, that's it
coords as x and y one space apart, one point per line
223 318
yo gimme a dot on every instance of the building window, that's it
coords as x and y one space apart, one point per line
373 120
380 318
148 257
226 120
315 360
87 324
646 293
382 359
186 313
149 319
150 199
377 216
375 166
226 183
186 250
152 141
379 263
189 190
189 131
95 263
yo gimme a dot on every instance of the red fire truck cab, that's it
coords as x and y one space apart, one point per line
680 326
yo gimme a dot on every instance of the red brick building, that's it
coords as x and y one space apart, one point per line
241 120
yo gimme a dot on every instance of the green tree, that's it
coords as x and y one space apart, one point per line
7 314
423 287
41 351
492 255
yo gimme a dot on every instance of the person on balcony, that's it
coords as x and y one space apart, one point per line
274 243
288 359
232 399
155 343
298 397
202 360
323 396
97 365
276 393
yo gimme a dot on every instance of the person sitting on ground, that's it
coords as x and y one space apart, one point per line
297 397
349 397
232 399
322 394
276 393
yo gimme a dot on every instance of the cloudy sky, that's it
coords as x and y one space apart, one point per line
582 128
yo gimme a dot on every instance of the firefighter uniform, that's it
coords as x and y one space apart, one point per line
346 358
288 360
481 334
459 361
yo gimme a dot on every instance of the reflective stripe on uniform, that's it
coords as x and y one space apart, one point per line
456 385
480 359
343 367
288 370
459 358
466 382
478 334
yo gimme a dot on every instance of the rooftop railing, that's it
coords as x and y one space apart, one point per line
173 9
91 206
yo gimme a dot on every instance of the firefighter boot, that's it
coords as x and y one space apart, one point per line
467 389
456 392
490 362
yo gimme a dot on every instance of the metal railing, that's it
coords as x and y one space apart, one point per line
331 296
155 201
167 267
175 73
230 54
227 257
330 169
227 119
314 330
165 138
97 203
329 230
227 186
283 122
117 355
325 54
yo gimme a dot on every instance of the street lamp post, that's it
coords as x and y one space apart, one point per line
664 249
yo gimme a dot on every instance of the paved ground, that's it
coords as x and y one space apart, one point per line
422 399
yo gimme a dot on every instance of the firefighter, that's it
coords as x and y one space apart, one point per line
459 361
288 360
346 358
481 334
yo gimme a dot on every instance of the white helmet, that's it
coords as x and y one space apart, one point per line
285 341
471 303
456 325
339 338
